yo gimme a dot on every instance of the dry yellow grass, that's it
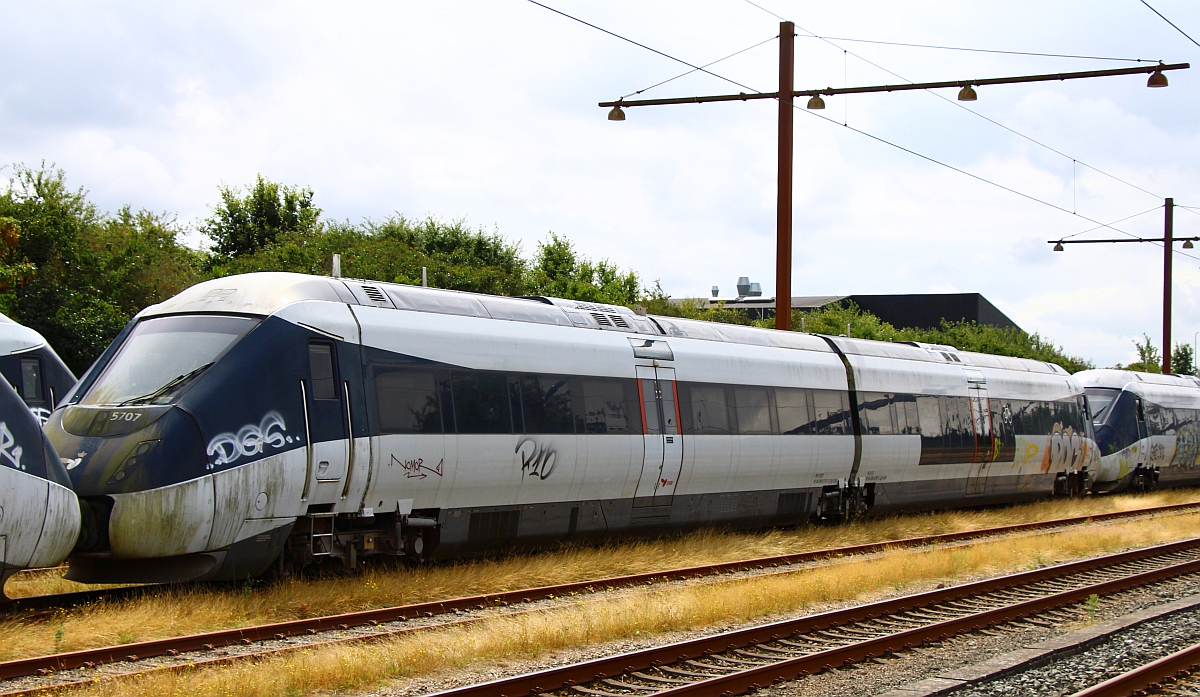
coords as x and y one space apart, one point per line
647 612
193 611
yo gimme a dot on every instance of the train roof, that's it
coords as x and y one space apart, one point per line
17 338
264 293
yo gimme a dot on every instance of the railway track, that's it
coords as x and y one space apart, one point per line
1176 674
738 662
1101 575
42 605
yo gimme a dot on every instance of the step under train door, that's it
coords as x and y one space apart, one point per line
982 428
663 458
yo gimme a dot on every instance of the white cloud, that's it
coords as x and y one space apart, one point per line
487 111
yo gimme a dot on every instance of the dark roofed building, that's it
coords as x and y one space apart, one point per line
916 310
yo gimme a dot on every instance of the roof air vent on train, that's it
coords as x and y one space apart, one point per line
601 319
374 294
619 321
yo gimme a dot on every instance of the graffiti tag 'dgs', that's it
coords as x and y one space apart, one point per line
9 450
250 440
536 460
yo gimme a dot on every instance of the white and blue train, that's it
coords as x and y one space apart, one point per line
1147 428
274 420
39 514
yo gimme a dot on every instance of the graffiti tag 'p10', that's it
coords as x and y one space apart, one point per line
536 460
9 450
250 440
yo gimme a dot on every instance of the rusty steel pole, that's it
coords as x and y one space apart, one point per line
783 215
1168 243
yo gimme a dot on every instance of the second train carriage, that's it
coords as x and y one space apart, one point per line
39 515
33 368
1147 428
283 419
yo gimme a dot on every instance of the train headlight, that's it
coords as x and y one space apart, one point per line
131 463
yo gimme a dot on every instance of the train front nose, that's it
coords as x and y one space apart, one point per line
139 473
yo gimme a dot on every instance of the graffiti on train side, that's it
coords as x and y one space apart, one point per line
250 440
1066 449
536 460
9 450
42 414
416 467
1187 446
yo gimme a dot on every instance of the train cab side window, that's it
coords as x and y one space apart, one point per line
546 404
320 365
481 402
610 405
407 402
31 381
794 408
707 409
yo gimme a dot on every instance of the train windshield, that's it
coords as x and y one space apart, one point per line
1099 400
164 355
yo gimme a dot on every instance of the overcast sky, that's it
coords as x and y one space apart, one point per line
487 111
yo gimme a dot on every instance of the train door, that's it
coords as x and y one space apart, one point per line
326 415
664 444
982 428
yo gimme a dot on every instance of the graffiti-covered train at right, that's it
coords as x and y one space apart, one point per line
1147 428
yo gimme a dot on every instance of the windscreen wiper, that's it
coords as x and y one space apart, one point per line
167 388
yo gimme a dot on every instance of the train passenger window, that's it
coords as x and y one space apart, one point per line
481 402
958 430
546 404
320 364
707 409
794 407
904 408
514 403
1002 430
929 411
610 406
875 409
31 380
407 402
831 413
753 410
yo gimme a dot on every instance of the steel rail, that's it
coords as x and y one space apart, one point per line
763 676
57 601
568 675
282 630
1148 676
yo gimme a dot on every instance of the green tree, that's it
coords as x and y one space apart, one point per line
1183 360
559 271
76 275
1149 357
244 223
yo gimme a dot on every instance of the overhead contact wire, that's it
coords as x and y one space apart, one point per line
1176 26
859 131
960 106
641 45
